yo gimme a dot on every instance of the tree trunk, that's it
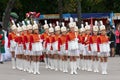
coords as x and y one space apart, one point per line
6 17
60 9
79 12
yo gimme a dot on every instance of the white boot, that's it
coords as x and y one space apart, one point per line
63 66
71 65
97 63
29 63
94 66
56 65
89 65
60 65
75 67
21 64
24 65
78 63
13 63
82 64
85 64
17 65
105 68
32 66
46 64
102 67
66 66
37 67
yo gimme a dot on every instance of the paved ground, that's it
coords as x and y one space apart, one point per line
6 73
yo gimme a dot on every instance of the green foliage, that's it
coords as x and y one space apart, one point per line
69 6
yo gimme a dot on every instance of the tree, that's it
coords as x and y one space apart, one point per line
6 17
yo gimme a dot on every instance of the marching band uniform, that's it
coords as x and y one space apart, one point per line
36 47
80 40
104 48
44 36
77 50
72 46
12 44
94 47
82 48
63 48
19 48
25 40
56 53
30 53
49 48
88 48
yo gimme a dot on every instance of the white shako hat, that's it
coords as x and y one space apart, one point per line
87 27
71 23
24 27
19 29
102 27
29 26
13 27
95 27
82 29
45 26
57 27
35 26
63 28
51 29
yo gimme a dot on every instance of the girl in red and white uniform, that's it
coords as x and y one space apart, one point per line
88 54
12 43
56 53
77 51
44 36
63 48
36 47
19 48
82 47
49 48
81 30
29 52
24 45
94 47
104 48
72 46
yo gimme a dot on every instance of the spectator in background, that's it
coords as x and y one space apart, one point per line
111 35
2 41
117 34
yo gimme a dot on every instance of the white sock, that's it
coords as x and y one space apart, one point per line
71 65
102 67
13 63
37 67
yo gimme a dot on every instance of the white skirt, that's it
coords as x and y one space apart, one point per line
73 53
37 53
104 54
93 47
73 45
19 49
37 46
13 45
48 47
105 47
55 46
